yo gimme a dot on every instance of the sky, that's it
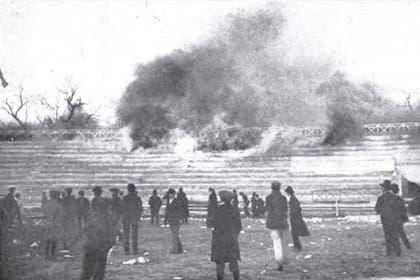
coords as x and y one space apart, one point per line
97 44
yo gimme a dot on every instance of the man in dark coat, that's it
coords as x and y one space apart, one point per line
224 244
211 207
297 224
132 208
235 201
155 202
276 206
245 200
11 205
392 211
53 212
69 206
183 200
254 204
174 216
395 190
100 232
82 210
4 229
260 207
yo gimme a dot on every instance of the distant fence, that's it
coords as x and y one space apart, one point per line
391 128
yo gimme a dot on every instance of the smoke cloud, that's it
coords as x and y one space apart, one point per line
243 73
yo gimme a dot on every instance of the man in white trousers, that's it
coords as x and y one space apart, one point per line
276 206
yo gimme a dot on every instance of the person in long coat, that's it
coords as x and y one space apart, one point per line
211 206
69 218
395 190
276 206
245 200
297 224
254 205
53 216
174 216
392 211
82 211
132 209
155 203
183 200
224 244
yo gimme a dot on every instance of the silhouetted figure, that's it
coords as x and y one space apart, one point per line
392 211
82 210
174 212
211 207
254 205
69 205
183 200
155 202
53 221
132 208
235 201
245 200
100 232
260 207
224 245
11 205
4 230
276 206
395 190
297 224
166 201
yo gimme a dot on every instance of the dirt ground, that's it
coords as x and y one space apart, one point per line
338 248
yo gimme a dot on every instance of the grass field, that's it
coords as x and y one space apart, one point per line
343 248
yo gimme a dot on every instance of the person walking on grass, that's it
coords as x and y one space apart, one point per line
227 225
395 190
53 212
174 216
100 233
155 202
391 210
132 208
276 206
297 224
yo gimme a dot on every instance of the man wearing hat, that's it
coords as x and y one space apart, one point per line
97 192
276 206
12 207
392 210
226 223
395 190
69 206
174 216
132 208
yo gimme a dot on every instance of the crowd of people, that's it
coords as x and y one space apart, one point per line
103 220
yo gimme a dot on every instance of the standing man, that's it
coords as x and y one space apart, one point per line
69 206
245 200
260 207
100 232
97 192
4 230
224 244
183 200
12 207
82 210
276 206
155 202
391 209
395 190
254 204
297 224
132 208
235 201
174 215
211 207
53 212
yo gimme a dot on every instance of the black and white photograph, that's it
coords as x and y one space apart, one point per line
209 139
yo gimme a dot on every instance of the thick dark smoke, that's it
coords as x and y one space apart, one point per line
243 73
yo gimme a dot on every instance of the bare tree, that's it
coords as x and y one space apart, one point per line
14 109
54 108
73 104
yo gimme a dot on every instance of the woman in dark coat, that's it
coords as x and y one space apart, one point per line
224 245
298 226
211 206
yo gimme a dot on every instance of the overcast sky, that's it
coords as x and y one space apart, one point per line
97 44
